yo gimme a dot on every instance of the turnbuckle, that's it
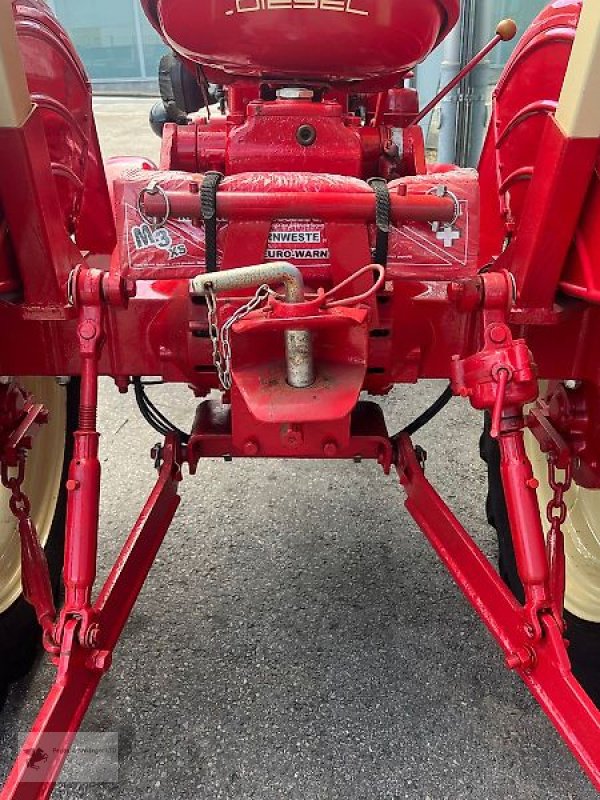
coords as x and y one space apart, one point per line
501 379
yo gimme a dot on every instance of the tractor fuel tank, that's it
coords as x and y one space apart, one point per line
331 41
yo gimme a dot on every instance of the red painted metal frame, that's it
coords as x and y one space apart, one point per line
537 652
541 662
390 145
93 313
80 667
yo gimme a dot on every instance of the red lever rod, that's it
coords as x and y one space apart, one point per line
351 206
505 32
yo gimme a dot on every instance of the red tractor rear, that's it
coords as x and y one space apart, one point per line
285 259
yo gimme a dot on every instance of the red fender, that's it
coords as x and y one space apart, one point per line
526 94
60 88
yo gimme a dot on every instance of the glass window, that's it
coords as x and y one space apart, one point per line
104 35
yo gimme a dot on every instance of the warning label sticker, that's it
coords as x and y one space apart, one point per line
152 251
297 241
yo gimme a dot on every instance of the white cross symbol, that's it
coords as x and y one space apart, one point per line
448 235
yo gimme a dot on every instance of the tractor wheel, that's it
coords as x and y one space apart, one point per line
45 478
582 550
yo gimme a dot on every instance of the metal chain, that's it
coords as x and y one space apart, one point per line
557 510
221 338
19 503
556 513
213 331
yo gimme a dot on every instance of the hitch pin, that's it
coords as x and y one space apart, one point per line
298 343
503 376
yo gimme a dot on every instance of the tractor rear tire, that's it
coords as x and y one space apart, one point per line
583 635
46 473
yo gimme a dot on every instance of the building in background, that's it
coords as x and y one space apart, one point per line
457 127
118 45
121 52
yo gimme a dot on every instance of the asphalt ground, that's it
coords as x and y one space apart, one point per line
297 637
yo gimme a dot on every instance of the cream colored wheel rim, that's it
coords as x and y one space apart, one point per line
42 485
582 539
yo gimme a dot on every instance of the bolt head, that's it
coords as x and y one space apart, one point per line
498 334
87 330
513 661
103 660
293 436
251 448
524 659
330 450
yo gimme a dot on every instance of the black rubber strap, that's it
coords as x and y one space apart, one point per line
383 210
208 208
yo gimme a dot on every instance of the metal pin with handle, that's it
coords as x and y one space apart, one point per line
298 343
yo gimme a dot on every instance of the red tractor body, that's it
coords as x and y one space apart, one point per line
293 254
305 40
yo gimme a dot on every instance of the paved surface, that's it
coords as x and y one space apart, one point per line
297 637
